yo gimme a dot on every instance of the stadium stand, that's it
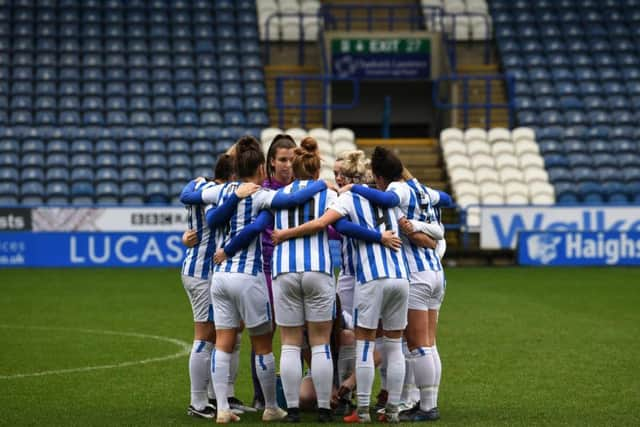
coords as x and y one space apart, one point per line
495 167
577 73
122 90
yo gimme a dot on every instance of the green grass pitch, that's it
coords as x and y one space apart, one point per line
519 347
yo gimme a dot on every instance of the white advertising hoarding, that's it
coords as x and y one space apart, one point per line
500 225
143 219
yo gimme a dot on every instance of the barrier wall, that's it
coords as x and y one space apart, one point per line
92 237
500 225
579 248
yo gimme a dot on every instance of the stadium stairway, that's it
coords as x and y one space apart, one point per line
292 96
380 17
499 117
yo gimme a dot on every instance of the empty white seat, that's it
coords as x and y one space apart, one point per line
523 133
458 160
268 134
509 174
543 199
320 134
535 174
530 159
526 146
451 134
487 188
327 160
492 199
537 188
289 6
499 134
298 134
473 217
327 174
501 147
480 27
515 187
466 189
454 147
467 199
486 174
482 160
475 134
342 146
478 147
342 134
506 160
461 174
325 147
516 199
478 6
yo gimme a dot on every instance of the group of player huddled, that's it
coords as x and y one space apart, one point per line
259 251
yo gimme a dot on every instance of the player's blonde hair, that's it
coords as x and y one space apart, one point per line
353 166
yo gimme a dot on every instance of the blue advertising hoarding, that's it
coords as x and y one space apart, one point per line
603 248
91 249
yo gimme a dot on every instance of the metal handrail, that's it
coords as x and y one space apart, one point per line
488 105
303 105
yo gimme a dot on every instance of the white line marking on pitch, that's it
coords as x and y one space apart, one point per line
185 348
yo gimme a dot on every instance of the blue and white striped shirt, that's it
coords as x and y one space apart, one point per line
248 260
307 253
374 261
198 259
415 203
435 213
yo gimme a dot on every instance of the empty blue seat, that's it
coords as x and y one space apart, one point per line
179 161
177 147
32 189
106 160
28 160
106 146
157 193
57 174
557 174
156 174
32 146
107 174
624 146
130 160
57 189
579 159
203 160
131 174
9 174
583 174
9 146
575 146
180 174
258 118
82 174
551 117
628 160
155 160
202 147
550 146
599 146
31 174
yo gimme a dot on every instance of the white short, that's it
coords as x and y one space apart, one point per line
300 297
200 298
382 299
426 290
346 288
239 297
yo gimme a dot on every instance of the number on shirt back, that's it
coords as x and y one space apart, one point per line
382 217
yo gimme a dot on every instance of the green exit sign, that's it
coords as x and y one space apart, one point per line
381 46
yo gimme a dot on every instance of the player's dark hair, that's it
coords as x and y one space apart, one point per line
386 164
248 156
224 167
281 140
306 159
